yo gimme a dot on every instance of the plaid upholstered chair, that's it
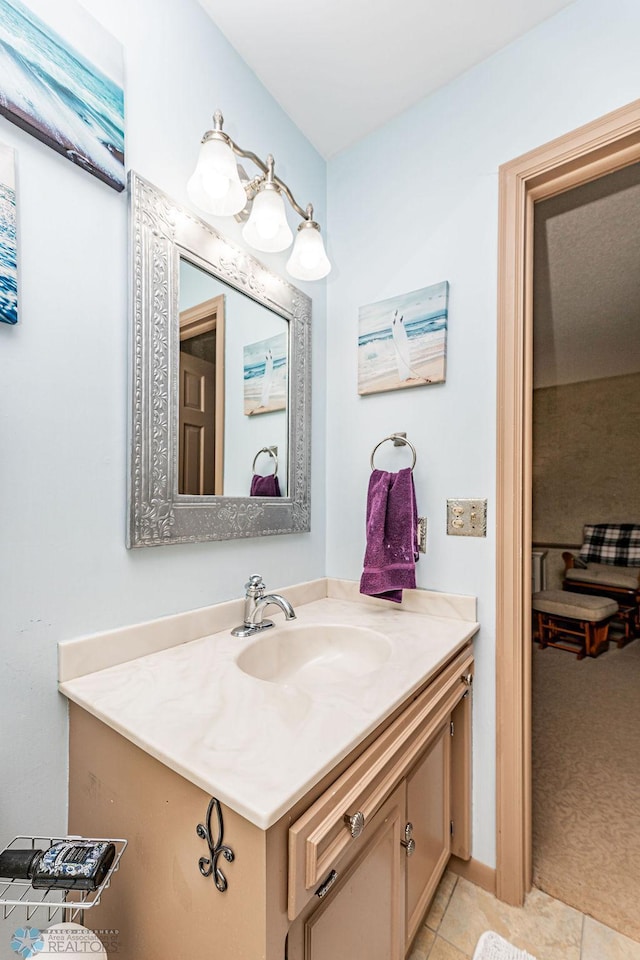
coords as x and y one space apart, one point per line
608 565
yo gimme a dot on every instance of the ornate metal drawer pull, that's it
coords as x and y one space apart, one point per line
209 865
324 888
355 823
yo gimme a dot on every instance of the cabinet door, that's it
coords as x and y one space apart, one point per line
461 780
318 840
428 812
362 916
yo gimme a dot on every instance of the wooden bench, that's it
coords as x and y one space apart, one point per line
573 622
608 565
621 584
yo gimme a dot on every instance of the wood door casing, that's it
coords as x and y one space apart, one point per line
607 144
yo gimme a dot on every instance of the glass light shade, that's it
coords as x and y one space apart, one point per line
308 260
215 185
267 228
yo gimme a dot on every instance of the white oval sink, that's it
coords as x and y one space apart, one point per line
314 654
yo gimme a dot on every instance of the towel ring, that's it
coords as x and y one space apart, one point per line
398 440
271 451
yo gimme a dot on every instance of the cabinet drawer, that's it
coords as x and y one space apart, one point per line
362 915
321 840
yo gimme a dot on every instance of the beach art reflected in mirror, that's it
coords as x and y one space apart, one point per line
402 342
265 375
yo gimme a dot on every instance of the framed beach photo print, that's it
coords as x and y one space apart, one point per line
8 237
66 87
402 342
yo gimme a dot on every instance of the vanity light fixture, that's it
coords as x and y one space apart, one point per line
267 228
216 187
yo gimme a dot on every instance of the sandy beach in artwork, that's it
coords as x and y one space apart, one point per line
252 406
429 371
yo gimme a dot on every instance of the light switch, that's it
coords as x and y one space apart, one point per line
467 518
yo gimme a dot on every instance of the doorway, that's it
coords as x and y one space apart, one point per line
586 465
601 147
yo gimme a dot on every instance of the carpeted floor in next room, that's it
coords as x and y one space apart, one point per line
586 782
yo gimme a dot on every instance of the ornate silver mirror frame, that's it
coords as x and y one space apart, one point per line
160 231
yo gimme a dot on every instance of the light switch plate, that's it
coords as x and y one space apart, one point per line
467 518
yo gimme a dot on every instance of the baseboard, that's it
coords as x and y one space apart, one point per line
476 872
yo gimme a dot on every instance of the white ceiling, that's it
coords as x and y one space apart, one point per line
342 68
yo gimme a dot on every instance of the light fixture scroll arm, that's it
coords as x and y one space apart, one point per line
219 134
249 155
267 169
290 197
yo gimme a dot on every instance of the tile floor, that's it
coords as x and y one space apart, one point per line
546 928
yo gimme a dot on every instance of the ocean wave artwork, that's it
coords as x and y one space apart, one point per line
402 342
266 375
53 91
8 237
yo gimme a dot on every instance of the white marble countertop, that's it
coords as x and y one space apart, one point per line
259 746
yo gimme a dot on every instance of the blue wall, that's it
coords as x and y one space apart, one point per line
64 569
416 203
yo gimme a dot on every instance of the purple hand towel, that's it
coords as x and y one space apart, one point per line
392 535
264 486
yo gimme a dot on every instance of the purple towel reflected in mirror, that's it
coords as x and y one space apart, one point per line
265 486
392 535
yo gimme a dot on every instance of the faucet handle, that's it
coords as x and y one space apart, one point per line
254 585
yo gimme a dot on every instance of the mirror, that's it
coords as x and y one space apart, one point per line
221 392
232 388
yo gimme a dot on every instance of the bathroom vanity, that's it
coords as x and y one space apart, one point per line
343 777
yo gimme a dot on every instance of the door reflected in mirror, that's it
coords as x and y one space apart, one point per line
233 384
201 395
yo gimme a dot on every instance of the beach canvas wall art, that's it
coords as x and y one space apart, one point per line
265 375
8 237
71 98
402 342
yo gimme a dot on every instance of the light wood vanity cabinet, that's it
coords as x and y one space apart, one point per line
410 763
307 888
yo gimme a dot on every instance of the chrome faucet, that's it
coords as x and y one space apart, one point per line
255 601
